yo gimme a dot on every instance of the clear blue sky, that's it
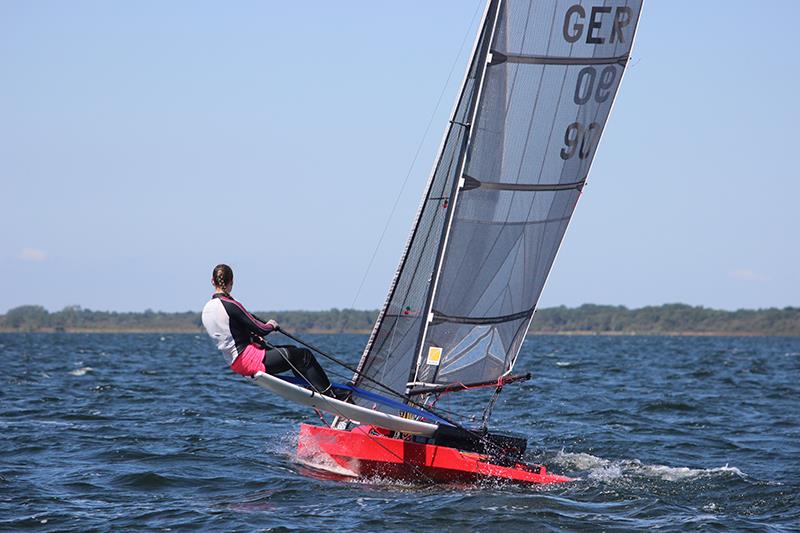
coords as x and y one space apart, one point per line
143 142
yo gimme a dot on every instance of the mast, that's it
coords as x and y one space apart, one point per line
492 10
428 187
390 353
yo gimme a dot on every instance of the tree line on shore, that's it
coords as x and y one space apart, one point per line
586 319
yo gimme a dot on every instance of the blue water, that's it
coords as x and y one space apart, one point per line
153 432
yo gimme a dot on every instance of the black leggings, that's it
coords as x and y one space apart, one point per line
303 364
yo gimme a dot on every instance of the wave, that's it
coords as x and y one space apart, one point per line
662 406
150 480
606 470
81 371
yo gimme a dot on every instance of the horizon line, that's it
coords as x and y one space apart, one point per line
377 309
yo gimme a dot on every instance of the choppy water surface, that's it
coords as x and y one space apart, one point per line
152 431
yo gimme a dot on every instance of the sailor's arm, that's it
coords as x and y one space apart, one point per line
250 321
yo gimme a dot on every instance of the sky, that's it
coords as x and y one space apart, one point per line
141 143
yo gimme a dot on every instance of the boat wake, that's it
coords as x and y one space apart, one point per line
607 470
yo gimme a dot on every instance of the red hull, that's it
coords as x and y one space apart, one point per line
362 452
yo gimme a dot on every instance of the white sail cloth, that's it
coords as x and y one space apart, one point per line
538 93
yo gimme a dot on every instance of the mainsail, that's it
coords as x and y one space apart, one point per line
515 158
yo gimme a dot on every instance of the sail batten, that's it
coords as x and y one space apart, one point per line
499 58
472 183
440 317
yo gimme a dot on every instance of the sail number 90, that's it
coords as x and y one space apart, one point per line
580 140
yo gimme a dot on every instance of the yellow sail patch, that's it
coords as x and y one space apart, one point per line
434 355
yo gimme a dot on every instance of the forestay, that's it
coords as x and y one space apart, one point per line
516 156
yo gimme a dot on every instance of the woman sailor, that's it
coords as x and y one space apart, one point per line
239 336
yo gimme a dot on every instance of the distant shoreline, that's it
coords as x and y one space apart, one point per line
588 319
199 331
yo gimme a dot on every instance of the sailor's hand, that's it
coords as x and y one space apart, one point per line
274 325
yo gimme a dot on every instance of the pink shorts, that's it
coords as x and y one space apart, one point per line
250 361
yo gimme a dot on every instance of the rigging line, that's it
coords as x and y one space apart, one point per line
333 407
340 363
425 241
487 411
313 388
448 145
416 155
381 385
487 442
